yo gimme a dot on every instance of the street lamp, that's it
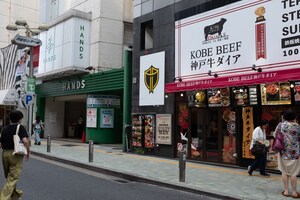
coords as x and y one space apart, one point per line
22 24
30 32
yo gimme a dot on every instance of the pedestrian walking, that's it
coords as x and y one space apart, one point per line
288 158
12 164
37 128
259 137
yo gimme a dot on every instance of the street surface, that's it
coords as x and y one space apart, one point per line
43 179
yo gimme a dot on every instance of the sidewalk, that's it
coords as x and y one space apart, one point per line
215 181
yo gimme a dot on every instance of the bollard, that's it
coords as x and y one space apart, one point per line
48 144
91 150
182 165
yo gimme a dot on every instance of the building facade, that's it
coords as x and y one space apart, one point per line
226 65
13 10
81 68
10 55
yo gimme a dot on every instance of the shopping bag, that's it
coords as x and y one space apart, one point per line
19 147
278 143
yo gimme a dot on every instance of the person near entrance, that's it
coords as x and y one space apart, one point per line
12 164
259 136
288 158
37 128
79 126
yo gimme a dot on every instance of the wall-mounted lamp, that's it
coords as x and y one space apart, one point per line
181 94
166 96
210 73
90 68
254 68
177 79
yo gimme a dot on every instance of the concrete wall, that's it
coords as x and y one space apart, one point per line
108 31
10 11
54 118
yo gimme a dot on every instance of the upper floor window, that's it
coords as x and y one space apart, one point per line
147 35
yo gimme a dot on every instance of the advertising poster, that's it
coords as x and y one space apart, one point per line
163 129
91 118
244 43
106 118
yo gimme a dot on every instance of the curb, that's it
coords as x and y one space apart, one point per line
136 178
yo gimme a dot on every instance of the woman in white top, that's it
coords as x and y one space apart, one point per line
259 136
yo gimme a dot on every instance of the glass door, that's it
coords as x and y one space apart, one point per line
205 134
211 135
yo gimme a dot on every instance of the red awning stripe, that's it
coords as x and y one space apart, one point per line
237 80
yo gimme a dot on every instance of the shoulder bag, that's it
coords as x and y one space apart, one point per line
19 147
278 143
258 149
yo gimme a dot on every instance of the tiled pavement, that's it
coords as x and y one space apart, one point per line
218 181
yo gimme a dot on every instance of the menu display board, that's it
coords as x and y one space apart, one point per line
241 96
252 95
137 130
218 97
297 92
276 93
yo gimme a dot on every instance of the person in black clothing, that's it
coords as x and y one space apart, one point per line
12 164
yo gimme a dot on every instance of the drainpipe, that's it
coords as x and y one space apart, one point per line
127 96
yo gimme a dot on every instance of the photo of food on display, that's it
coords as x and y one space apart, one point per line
218 97
272 92
241 96
297 91
285 91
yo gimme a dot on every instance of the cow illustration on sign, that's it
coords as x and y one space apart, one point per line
214 28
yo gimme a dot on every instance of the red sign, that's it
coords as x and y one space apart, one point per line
261 50
36 56
238 80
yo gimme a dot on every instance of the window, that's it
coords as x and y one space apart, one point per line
147 35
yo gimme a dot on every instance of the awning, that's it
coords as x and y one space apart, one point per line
7 97
236 80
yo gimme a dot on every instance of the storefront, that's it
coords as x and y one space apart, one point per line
61 102
233 66
243 71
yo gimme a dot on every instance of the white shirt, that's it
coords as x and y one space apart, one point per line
257 135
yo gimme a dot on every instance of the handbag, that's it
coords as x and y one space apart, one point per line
19 147
258 149
278 143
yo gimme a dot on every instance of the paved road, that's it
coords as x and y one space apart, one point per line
48 180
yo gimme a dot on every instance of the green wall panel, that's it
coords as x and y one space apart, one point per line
98 82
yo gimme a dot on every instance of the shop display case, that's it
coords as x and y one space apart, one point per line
143 132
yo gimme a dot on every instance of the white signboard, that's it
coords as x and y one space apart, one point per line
65 45
152 79
232 39
91 117
163 129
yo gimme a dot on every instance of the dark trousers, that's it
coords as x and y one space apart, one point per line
260 162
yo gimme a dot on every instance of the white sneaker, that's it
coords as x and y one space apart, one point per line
249 170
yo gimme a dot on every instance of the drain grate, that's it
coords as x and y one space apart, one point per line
69 145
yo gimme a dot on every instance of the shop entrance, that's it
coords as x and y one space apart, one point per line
205 129
212 134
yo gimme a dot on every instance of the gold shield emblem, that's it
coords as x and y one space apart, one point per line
151 77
